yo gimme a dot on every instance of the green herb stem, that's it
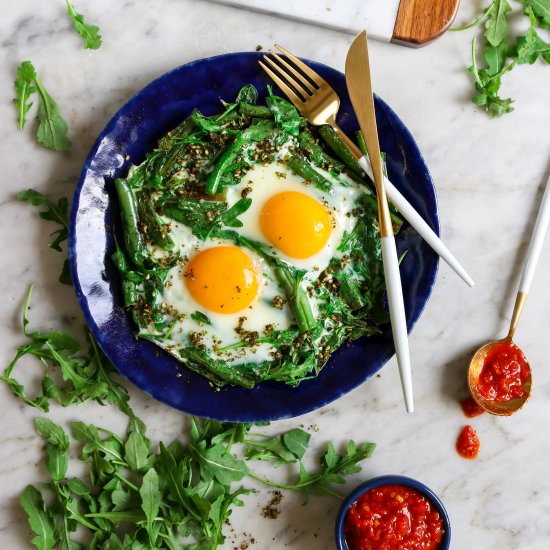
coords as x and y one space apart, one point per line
477 21
293 487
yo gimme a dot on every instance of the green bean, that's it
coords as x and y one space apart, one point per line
135 244
340 150
297 299
394 213
361 142
303 168
259 111
363 147
129 287
316 153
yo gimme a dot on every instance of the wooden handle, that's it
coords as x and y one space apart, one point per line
421 21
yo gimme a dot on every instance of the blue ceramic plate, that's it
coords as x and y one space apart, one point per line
134 131
392 480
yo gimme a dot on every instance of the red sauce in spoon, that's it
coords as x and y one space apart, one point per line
503 373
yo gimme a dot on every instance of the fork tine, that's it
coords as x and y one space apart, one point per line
302 80
284 75
310 72
290 93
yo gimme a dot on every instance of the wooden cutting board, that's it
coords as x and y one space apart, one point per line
409 22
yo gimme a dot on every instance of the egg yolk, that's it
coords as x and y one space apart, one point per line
296 224
222 279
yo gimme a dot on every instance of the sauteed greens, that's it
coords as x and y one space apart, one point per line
194 191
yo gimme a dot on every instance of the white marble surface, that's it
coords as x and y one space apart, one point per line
488 174
378 18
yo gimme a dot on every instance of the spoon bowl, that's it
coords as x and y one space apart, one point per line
500 408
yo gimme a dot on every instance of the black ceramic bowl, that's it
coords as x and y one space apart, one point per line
392 480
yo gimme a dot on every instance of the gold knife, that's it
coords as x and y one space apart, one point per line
360 91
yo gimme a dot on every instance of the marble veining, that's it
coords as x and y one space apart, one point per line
488 173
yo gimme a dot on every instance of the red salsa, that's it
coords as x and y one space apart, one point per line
393 517
467 444
503 374
471 408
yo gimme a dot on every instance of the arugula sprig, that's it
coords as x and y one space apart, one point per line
55 212
502 51
333 468
89 33
69 375
52 128
178 497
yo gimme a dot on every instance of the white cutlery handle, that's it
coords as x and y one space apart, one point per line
537 240
423 229
397 316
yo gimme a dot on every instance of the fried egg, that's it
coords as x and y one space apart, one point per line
230 288
302 223
218 293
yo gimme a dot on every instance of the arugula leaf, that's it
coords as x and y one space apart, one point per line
247 94
285 114
281 448
150 501
52 128
24 88
109 448
495 57
54 212
136 451
230 216
57 213
540 9
531 47
216 462
89 33
183 501
40 519
296 441
497 22
57 445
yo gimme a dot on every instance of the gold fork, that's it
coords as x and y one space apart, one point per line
314 98
318 102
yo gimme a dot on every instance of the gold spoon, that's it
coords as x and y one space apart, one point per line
507 408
